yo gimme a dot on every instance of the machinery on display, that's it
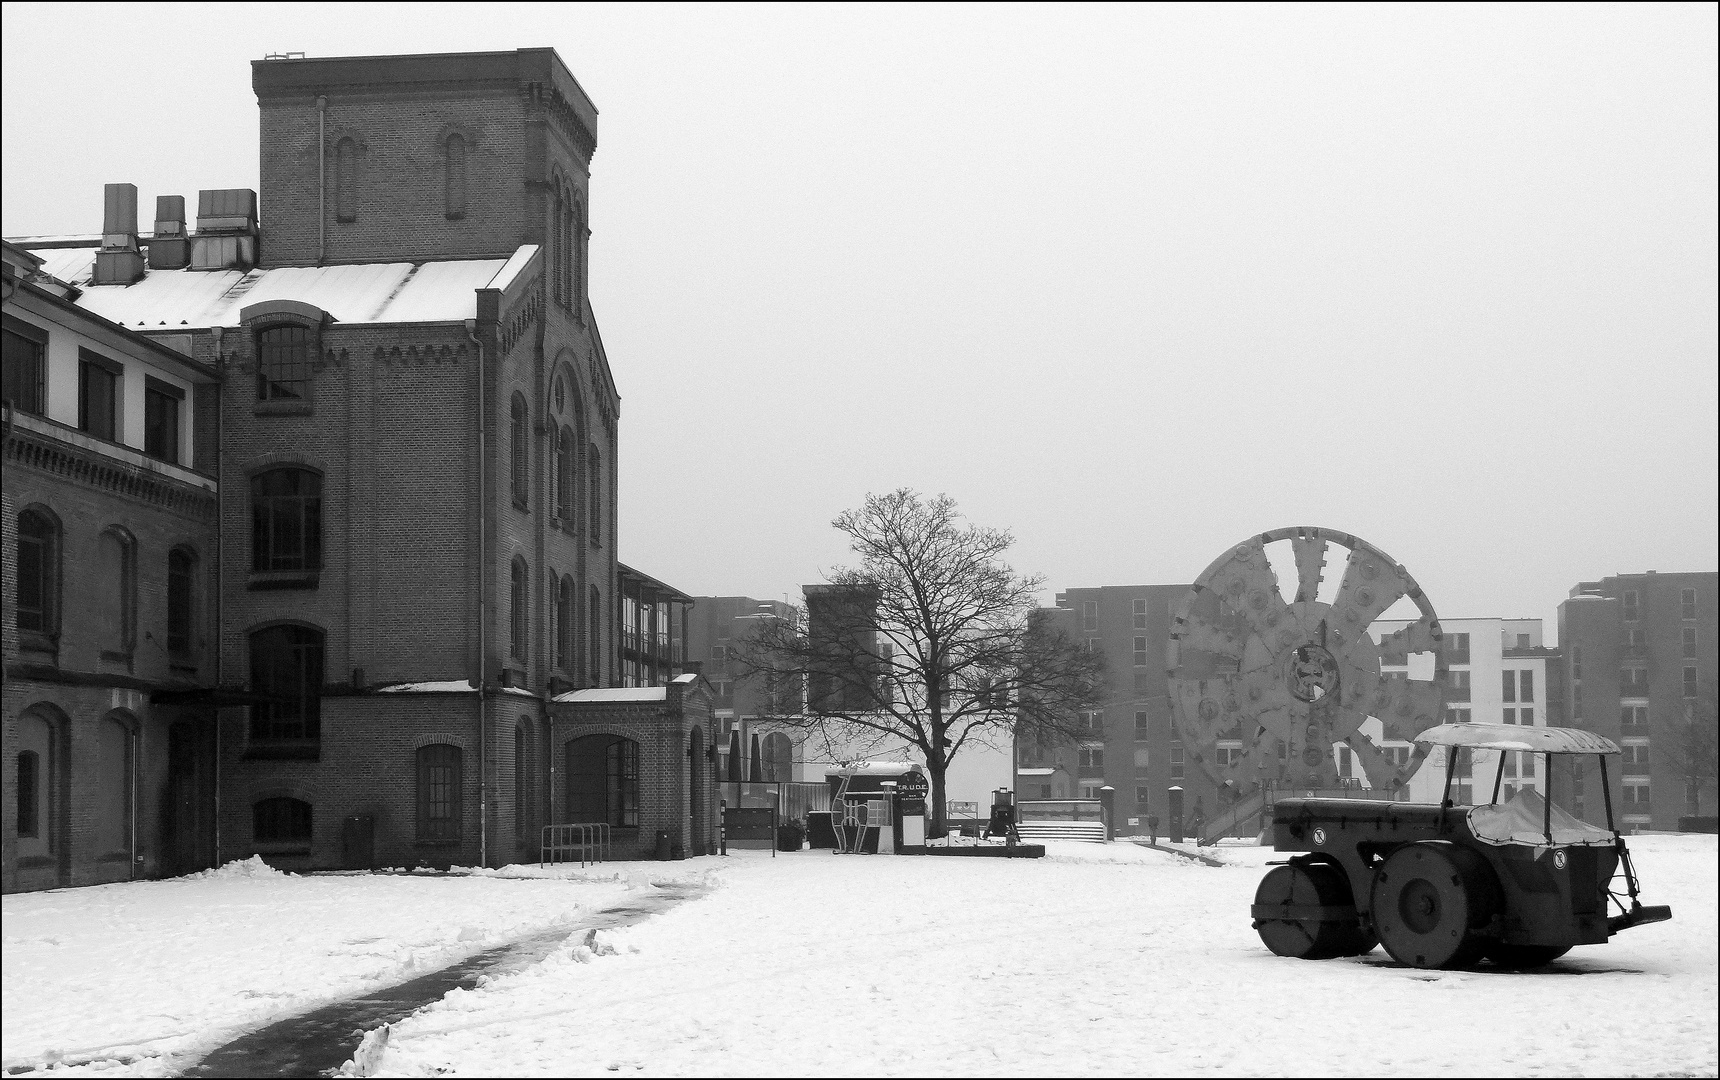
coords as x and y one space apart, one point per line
1287 682
1442 886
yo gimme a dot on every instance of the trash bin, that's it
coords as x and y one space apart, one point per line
663 845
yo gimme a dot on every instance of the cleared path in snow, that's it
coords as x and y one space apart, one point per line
314 1043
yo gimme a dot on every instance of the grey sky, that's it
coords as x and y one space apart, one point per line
1133 282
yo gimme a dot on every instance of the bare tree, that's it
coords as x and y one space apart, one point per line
1694 751
930 639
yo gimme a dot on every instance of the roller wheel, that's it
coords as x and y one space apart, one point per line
1293 890
1430 900
1517 957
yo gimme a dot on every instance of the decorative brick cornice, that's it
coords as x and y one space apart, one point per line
517 323
27 449
549 102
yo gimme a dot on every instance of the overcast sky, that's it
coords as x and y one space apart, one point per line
1135 283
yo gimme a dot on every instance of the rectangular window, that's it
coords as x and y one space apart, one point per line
1526 765
1508 688
1143 726
25 365
1636 639
1690 681
1687 638
1576 663
1457 716
1633 682
1632 606
1176 761
1687 604
1511 766
1095 645
1523 641
1141 761
1456 685
1636 797
1143 682
1140 652
1089 614
1526 717
1090 759
1457 649
1634 756
1525 686
1143 798
98 395
161 420
1093 720
439 792
284 364
1140 614
1227 753
1510 716
1631 716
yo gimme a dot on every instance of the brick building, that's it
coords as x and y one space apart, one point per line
108 516
416 544
1640 668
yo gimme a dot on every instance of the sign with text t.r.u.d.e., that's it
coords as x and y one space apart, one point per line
913 786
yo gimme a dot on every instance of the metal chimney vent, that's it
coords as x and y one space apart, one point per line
226 230
170 247
118 262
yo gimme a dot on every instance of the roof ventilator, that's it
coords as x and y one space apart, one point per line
170 247
226 236
118 262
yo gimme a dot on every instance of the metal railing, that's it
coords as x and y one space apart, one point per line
589 840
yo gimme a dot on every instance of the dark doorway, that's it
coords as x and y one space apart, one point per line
696 766
188 835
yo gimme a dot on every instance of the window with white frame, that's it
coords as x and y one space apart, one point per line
1176 761
1141 761
1631 716
1637 797
1687 639
1140 613
1140 644
1687 603
1632 606
1227 753
1633 756
1089 614
1143 725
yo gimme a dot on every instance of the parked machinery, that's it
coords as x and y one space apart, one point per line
1519 882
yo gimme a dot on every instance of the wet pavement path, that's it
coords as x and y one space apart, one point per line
319 1042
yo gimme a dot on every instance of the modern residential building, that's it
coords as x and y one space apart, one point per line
411 466
1498 672
107 513
1641 669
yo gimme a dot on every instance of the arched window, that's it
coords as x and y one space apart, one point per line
558 396
181 604
603 780
439 792
287 667
564 624
454 177
116 575
41 767
38 579
518 610
286 521
517 449
284 363
110 828
565 468
594 634
576 248
594 494
346 180
281 822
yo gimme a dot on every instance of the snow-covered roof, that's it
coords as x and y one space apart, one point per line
395 292
445 686
1536 740
1036 772
617 693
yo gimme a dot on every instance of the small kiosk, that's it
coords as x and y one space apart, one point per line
875 806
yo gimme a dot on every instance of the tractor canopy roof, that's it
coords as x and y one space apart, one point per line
1535 740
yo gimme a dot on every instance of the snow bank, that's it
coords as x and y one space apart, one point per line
237 870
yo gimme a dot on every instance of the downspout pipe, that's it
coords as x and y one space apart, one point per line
322 178
220 566
483 619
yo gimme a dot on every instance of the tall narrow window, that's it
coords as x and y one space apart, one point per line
1687 641
41 780
594 636
110 823
1687 603
161 420
29 777
1526 679
116 571
98 395
25 365
287 668
522 797
594 484
38 577
517 613
181 609
284 364
517 449
454 177
346 180
286 521
439 792
564 624
557 248
564 471
576 252
1509 685
1632 606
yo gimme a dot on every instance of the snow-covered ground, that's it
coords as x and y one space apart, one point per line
144 978
1113 960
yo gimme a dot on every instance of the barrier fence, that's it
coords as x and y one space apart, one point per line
589 840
